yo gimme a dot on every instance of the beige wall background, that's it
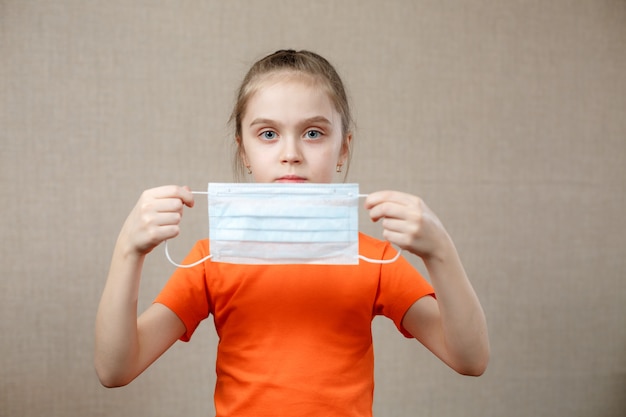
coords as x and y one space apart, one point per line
507 117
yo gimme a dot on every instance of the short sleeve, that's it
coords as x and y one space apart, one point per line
400 286
186 292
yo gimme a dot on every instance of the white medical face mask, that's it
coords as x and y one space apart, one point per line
283 224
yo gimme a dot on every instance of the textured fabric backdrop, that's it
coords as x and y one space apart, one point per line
507 117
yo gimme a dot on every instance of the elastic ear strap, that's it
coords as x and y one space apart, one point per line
169 258
167 252
381 261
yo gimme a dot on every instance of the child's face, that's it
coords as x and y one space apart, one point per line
291 132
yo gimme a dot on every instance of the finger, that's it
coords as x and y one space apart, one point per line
173 191
164 191
164 232
379 211
390 210
399 239
379 197
187 196
168 219
399 226
167 205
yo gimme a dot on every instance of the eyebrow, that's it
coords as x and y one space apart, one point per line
310 120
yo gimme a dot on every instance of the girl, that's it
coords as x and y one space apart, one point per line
295 340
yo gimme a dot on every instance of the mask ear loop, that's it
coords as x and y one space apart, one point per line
169 258
167 252
206 258
380 261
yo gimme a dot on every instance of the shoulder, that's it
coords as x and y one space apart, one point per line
373 248
371 242
201 247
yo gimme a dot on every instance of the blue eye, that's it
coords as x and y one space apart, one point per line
269 135
313 134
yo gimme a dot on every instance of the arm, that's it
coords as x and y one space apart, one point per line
127 345
453 325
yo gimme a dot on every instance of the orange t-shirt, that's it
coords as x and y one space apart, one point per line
295 340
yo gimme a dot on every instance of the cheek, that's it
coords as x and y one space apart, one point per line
327 163
250 150
335 153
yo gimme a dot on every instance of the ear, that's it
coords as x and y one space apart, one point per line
344 153
242 152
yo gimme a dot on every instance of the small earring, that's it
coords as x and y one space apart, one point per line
249 170
338 169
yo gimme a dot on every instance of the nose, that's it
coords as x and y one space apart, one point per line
291 153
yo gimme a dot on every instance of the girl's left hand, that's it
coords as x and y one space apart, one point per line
408 222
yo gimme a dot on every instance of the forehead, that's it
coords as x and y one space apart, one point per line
285 76
288 94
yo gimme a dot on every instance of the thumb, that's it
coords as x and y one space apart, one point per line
187 196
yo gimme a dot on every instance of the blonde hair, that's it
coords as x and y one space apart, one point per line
289 62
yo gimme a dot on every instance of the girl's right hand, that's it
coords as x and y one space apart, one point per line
155 218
